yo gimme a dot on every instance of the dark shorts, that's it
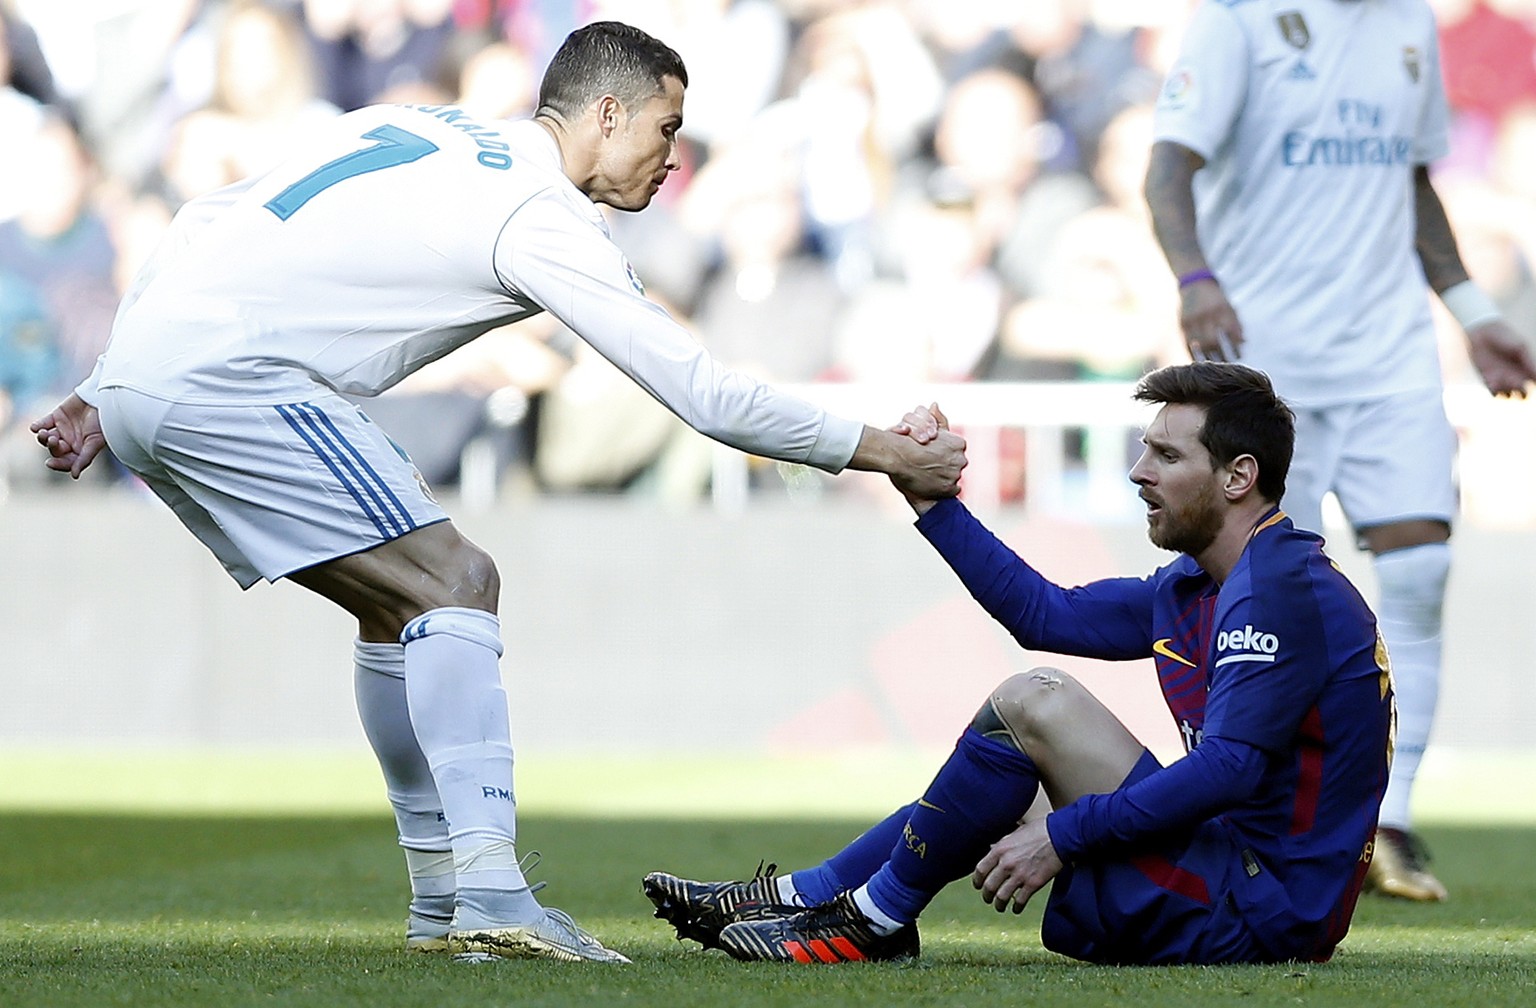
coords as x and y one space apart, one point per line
1172 906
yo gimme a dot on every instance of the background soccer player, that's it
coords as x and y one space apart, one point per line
1251 848
1289 190
396 235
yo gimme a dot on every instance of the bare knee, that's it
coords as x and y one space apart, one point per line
1028 702
386 587
462 576
437 567
479 582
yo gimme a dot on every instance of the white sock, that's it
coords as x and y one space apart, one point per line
883 922
459 711
379 683
1411 585
434 893
787 890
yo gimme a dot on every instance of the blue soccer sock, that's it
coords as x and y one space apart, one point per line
979 795
852 866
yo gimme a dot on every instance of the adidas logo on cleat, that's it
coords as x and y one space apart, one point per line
835 932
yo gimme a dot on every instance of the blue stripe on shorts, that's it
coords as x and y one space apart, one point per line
351 469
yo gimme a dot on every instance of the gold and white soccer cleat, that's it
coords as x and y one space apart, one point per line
1399 868
427 924
555 937
426 943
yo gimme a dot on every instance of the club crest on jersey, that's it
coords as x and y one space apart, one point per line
426 489
1293 28
634 278
1411 62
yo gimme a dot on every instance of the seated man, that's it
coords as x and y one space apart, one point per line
1251 848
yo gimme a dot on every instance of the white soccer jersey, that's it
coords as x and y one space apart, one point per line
1311 116
395 236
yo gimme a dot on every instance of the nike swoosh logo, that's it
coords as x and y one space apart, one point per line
925 803
1161 647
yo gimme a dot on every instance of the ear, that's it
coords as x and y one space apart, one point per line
610 114
1242 478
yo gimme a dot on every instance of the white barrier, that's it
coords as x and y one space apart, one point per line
1491 430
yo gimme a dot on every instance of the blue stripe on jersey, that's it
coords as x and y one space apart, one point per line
407 523
303 427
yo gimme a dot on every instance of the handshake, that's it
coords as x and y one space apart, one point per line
927 457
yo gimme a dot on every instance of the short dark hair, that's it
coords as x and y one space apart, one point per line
1243 415
606 57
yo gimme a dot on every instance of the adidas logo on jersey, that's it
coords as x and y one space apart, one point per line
1302 72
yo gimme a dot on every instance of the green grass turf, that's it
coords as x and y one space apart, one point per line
156 910
179 905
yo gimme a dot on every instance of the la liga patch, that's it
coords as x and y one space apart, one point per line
1178 89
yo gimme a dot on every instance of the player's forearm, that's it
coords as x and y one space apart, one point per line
876 451
1433 240
1169 191
1103 619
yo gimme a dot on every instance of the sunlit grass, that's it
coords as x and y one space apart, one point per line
235 879
1453 786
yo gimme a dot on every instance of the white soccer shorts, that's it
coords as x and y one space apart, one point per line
271 489
1386 460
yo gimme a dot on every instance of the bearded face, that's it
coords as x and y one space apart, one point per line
1182 490
1189 526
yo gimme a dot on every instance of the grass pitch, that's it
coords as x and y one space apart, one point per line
194 899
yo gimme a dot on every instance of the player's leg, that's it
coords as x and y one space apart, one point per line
1396 485
315 492
379 676
1037 727
1411 582
1078 744
436 592
1320 434
379 685
701 910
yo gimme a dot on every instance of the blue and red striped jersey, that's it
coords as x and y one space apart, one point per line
1284 656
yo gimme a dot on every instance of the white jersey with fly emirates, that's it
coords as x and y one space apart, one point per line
1311 116
397 235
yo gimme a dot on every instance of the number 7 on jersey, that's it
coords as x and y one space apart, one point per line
394 146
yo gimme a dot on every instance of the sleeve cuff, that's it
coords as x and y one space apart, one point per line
1064 826
835 443
88 388
942 513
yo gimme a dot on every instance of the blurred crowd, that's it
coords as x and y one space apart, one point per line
896 191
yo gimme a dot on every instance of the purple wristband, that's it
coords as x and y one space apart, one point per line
1195 277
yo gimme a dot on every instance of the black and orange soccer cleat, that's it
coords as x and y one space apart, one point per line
834 932
700 910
